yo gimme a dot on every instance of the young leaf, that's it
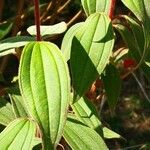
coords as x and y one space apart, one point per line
112 85
6 112
18 106
91 49
67 40
18 135
94 6
87 114
81 137
48 31
45 87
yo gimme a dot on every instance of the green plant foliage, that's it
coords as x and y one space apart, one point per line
67 40
37 143
45 87
109 134
94 6
87 114
18 106
50 30
141 9
14 42
134 39
18 135
81 137
112 85
6 112
147 63
91 49
5 29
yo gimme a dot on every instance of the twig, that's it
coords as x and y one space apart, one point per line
37 19
18 19
46 12
57 12
74 18
133 147
64 6
141 87
112 8
1 8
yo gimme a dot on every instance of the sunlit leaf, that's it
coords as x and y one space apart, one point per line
45 87
6 112
18 106
87 114
81 137
14 42
68 38
91 49
18 135
109 134
92 6
147 63
5 29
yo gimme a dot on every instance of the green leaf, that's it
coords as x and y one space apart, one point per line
5 29
14 42
68 38
109 134
81 137
45 87
18 106
112 85
147 63
87 114
91 49
6 112
141 9
130 41
18 135
37 141
50 30
134 39
93 6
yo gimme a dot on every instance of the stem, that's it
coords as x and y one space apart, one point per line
112 8
37 19
141 87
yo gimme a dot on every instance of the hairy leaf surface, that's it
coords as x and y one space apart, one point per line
91 49
93 6
45 87
81 137
18 135
6 112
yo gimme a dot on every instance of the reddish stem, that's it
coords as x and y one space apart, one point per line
37 19
112 8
